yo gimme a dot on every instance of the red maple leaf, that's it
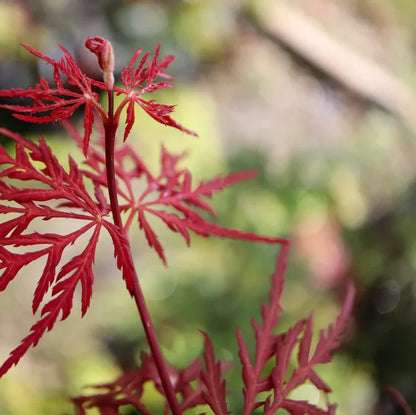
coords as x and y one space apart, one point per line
168 195
52 193
73 89
281 348
200 383
142 79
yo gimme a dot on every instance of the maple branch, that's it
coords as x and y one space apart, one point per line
154 346
110 126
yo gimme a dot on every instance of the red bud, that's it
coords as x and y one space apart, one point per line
104 51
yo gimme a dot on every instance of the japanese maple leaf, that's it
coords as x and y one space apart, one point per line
53 193
141 79
168 195
279 383
73 89
196 385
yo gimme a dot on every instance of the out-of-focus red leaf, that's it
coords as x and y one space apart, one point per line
281 348
215 394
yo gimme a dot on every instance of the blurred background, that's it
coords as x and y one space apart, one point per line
319 96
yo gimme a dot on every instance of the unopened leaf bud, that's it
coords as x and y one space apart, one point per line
104 51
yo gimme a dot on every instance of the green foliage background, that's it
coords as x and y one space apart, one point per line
336 176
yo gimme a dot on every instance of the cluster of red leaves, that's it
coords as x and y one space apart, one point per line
198 384
74 89
35 187
54 193
201 383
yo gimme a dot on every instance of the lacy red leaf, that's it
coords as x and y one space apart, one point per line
281 348
215 393
203 384
73 89
168 195
140 79
51 194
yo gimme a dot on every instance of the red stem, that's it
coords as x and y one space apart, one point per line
110 126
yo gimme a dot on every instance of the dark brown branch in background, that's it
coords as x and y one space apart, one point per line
328 58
